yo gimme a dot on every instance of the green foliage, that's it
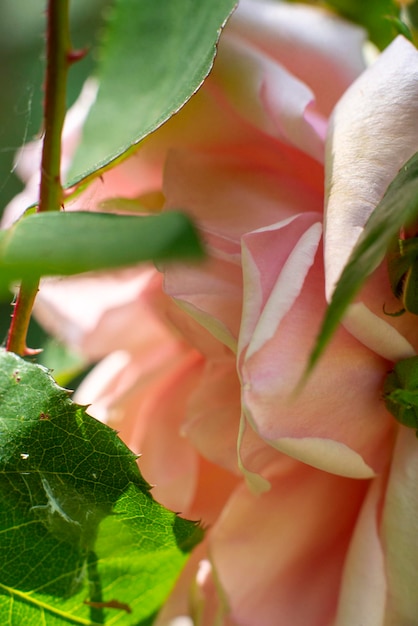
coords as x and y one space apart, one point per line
59 243
401 392
398 208
375 15
154 57
65 364
403 273
82 541
22 42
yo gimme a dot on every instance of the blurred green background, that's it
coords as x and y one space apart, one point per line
22 53
22 42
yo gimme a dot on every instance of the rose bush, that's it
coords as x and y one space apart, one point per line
311 507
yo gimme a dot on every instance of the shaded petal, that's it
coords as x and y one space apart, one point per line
275 267
98 313
144 397
228 195
400 531
363 588
213 414
243 187
373 131
393 337
337 423
269 97
310 43
266 549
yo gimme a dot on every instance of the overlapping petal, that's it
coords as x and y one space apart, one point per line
373 131
286 559
201 364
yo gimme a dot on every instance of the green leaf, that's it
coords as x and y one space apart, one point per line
154 57
81 539
398 208
401 28
400 392
55 243
375 18
63 362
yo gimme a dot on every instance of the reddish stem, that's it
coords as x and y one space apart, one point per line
51 193
16 340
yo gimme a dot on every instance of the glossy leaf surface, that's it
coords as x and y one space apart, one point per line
81 539
49 244
154 57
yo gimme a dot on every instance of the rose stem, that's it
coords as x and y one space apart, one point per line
59 58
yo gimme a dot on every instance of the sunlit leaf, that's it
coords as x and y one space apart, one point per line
58 243
81 539
154 57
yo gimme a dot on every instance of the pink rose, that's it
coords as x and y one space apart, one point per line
311 509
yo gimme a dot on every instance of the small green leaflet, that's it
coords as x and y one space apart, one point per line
403 274
154 57
81 539
65 243
398 208
377 19
401 392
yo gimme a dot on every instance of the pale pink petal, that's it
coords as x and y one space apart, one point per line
393 337
213 414
145 399
279 556
373 132
320 424
377 334
363 589
210 292
272 282
312 44
168 461
97 389
228 197
88 312
291 106
269 97
243 187
186 326
400 532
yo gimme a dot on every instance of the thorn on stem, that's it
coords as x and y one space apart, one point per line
32 351
76 55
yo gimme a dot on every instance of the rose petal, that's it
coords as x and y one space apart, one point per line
363 588
270 97
399 531
88 312
373 132
310 43
312 425
266 549
272 282
229 195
